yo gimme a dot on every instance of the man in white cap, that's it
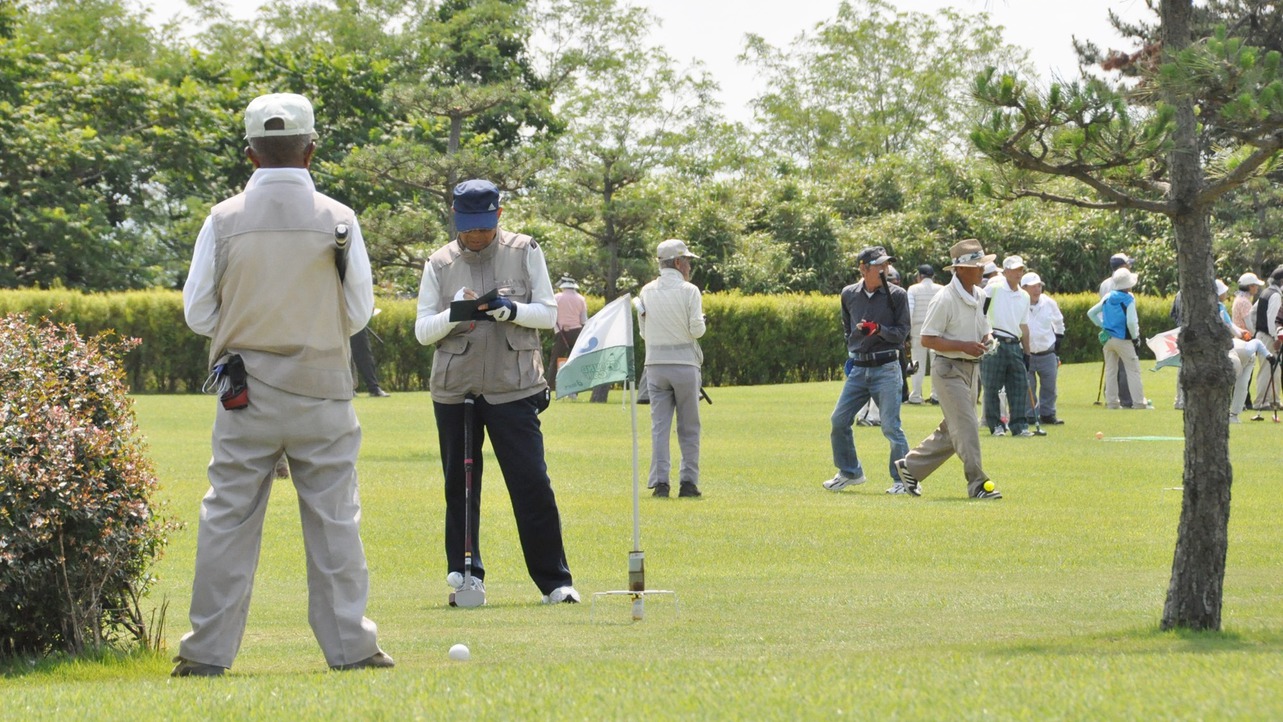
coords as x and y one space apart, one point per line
958 333
572 314
670 318
1116 315
1046 331
280 280
1007 368
496 360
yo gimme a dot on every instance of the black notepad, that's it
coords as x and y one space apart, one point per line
466 310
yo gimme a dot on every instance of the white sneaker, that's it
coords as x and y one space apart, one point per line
562 595
898 488
455 580
841 481
1000 431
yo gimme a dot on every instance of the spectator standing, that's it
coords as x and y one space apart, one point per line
1268 305
875 325
1116 315
1046 332
363 357
958 333
1117 261
670 318
1241 311
572 314
1007 368
920 295
280 307
498 361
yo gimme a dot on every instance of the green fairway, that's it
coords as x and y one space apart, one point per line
793 602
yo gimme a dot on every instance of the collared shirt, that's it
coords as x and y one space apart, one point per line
957 315
200 292
1045 323
889 310
1008 309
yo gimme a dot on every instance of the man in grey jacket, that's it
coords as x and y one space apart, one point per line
499 361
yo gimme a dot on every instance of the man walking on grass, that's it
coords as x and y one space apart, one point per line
875 323
957 331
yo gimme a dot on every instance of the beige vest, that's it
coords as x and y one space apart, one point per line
501 361
281 306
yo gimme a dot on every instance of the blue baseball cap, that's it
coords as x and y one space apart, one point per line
476 205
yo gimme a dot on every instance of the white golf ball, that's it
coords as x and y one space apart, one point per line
460 653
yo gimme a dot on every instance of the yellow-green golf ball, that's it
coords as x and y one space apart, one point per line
988 486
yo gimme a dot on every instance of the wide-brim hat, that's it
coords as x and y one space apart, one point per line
1123 279
969 254
568 282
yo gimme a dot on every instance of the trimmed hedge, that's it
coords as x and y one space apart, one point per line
750 340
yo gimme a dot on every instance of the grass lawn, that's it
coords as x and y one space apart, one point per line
794 602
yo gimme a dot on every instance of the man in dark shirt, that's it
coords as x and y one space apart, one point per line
875 323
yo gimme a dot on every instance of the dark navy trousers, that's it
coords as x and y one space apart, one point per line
517 442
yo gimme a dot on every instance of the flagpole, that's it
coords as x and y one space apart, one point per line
632 398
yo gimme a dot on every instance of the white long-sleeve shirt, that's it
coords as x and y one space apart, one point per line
1045 323
200 292
431 323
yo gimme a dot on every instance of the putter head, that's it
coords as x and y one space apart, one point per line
467 598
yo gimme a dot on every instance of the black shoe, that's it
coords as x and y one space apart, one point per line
661 490
1051 420
689 489
378 660
378 393
933 401
188 668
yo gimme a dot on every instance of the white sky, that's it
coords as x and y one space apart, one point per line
714 30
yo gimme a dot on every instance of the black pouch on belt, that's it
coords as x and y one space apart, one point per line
236 388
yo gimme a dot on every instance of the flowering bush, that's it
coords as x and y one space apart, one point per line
78 532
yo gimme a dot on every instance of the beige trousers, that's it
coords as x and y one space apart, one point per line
322 439
954 383
1122 351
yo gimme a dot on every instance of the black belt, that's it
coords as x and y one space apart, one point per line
877 358
1006 339
1043 353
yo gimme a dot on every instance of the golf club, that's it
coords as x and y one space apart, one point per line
1034 405
1100 387
466 596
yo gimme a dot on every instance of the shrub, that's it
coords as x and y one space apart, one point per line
78 531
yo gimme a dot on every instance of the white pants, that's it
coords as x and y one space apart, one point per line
1122 351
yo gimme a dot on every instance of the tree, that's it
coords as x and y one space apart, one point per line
873 81
1149 156
632 114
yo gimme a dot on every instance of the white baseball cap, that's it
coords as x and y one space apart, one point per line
1030 279
673 248
1011 263
1249 279
292 109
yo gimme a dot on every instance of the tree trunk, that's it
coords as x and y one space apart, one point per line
452 175
1194 595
